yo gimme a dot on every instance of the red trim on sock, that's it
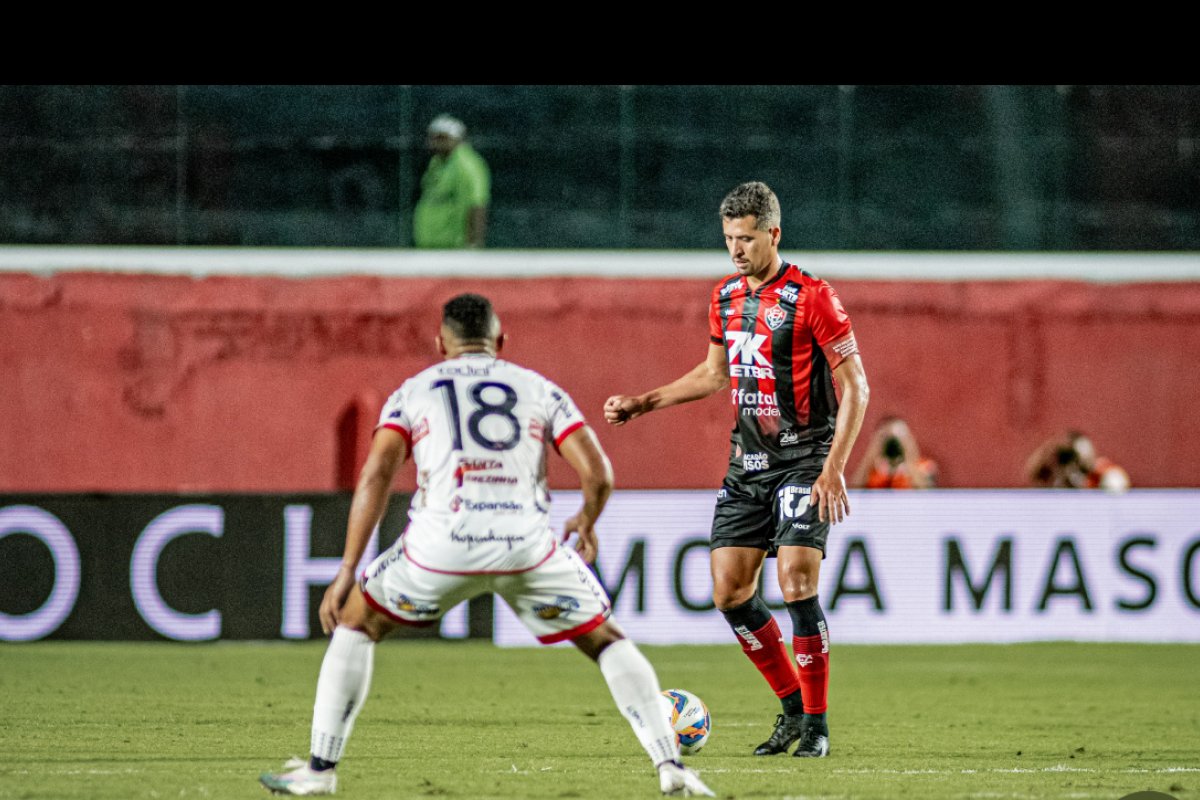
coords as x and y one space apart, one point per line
766 650
812 659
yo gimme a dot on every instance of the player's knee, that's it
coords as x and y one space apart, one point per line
798 587
363 626
358 616
729 596
597 640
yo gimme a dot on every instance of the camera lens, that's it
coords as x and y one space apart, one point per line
892 449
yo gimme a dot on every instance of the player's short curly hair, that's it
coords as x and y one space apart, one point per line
470 317
752 199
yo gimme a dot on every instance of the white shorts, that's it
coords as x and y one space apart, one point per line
557 600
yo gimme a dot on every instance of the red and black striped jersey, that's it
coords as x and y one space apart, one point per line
782 340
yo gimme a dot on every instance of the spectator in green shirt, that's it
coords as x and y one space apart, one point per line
455 190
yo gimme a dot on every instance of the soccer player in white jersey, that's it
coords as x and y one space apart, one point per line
478 429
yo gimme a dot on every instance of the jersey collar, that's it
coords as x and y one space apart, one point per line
778 276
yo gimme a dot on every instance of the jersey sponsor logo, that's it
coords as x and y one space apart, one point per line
789 438
789 293
468 465
729 312
396 413
537 430
387 561
774 317
745 355
748 637
793 501
745 347
755 404
491 537
492 505
410 606
730 288
722 493
800 526
562 606
422 498
743 371
420 430
505 479
755 462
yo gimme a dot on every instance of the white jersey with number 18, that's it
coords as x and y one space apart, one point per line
477 427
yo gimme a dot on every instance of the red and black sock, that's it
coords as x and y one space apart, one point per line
810 641
762 642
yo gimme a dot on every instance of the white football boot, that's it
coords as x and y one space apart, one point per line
299 780
679 781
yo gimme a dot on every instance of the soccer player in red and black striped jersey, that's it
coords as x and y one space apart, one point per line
782 345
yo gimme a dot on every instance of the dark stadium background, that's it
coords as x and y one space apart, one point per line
206 292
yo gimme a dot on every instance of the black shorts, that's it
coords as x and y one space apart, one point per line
768 511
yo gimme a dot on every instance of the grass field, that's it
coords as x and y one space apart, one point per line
466 720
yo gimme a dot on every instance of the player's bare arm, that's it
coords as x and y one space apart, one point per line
829 490
583 452
388 451
707 378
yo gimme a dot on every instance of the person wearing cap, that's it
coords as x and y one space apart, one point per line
455 190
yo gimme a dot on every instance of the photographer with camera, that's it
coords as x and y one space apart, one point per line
893 460
1070 462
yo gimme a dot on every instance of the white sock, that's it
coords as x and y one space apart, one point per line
341 690
634 687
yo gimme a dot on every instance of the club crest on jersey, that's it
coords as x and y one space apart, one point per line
774 317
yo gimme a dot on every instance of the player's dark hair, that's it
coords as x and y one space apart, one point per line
753 199
469 317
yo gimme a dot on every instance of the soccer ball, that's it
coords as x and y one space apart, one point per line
690 719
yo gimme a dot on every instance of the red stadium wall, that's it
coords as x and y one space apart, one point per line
122 383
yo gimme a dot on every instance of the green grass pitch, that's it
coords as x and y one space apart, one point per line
467 720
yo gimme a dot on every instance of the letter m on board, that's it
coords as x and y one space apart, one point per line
957 567
635 568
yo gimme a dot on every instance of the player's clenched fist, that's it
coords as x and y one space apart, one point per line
621 408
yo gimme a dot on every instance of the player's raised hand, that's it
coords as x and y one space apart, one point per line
583 527
830 497
621 408
335 597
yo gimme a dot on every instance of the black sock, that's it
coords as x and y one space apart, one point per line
807 617
751 615
320 764
793 704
